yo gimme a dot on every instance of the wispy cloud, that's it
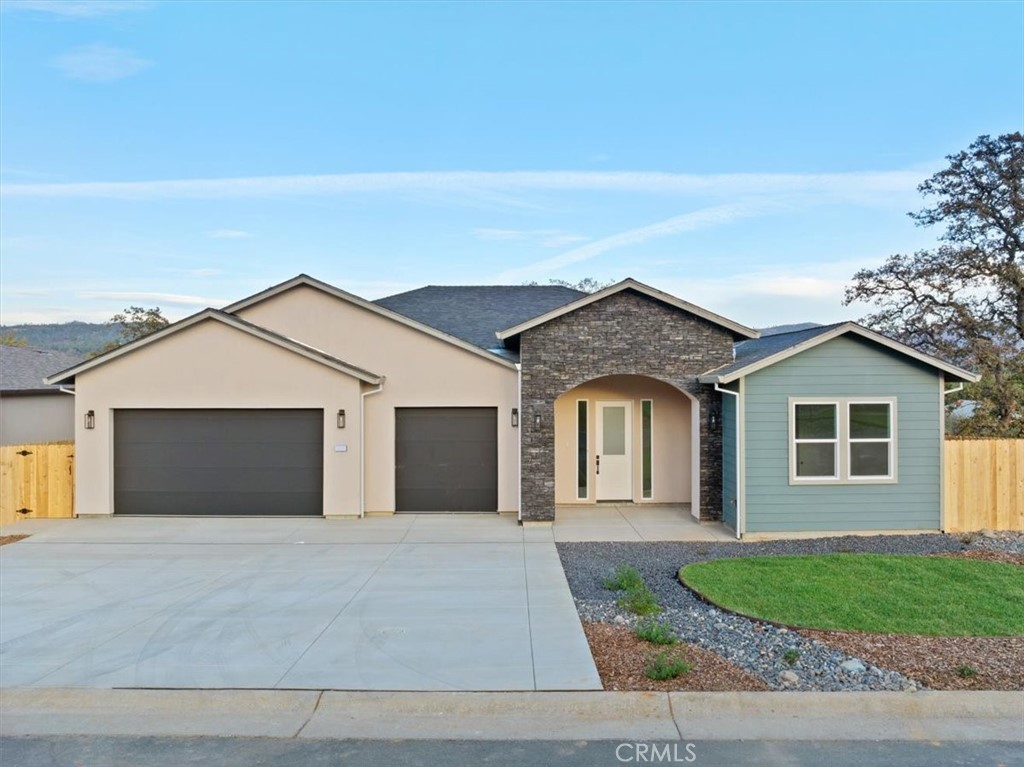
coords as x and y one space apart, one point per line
861 186
790 292
546 238
77 9
205 272
229 234
28 292
100 63
704 218
174 299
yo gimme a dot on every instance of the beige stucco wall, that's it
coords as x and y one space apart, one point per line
211 365
420 371
34 418
672 453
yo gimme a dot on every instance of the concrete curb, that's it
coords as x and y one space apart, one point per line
625 716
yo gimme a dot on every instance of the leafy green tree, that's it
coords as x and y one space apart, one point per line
9 339
134 323
964 299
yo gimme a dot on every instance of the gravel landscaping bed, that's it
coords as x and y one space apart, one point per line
756 647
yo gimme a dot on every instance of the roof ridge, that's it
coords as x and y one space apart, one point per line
500 285
766 336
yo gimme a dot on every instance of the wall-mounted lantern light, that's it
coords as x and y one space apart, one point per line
536 420
712 419
515 417
90 419
341 419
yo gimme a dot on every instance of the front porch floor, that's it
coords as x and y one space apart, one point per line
635 522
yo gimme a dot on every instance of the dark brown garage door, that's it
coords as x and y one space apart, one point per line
446 459
218 462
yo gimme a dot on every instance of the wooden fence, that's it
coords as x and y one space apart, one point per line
984 485
37 482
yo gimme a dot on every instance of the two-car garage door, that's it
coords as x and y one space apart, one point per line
219 462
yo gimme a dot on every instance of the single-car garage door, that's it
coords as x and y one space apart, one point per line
446 459
218 462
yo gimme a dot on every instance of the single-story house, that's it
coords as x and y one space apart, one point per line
32 412
307 400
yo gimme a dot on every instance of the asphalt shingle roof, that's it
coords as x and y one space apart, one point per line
22 368
474 313
757 349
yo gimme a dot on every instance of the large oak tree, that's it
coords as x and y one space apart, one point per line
964 299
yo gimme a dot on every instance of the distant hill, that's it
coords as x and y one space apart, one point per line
78 338
775 330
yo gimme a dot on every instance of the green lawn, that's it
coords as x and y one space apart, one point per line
937 596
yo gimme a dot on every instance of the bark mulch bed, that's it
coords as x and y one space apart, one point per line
941 663
621 659
4 539
986 555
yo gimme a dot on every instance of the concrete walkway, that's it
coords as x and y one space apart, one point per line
421 602
629 716
631 522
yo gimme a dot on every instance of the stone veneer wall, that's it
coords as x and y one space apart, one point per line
627 333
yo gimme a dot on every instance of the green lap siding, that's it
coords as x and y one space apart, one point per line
729 478
843 367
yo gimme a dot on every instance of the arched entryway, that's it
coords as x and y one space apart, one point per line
627 439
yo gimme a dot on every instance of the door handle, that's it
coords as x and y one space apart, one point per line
598 464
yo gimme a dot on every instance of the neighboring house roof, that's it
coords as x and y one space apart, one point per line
475 313
304 350
23 369
306 280
739 331
760 353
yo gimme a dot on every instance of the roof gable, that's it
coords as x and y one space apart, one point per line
304 350
738 331
379 309
755 355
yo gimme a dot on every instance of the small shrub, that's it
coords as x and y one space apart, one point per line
791 656
966 672
967 538
641 601
625 578
656 632
665 666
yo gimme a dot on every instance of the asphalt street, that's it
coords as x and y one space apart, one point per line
93 751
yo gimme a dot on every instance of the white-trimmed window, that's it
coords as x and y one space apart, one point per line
842 440
815 440
870 454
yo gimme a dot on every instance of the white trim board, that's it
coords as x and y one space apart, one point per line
237 323
639 287
839 330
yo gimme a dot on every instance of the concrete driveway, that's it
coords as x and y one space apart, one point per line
411 602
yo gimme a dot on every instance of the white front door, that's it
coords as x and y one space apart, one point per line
614 453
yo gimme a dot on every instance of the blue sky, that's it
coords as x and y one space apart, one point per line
748 157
